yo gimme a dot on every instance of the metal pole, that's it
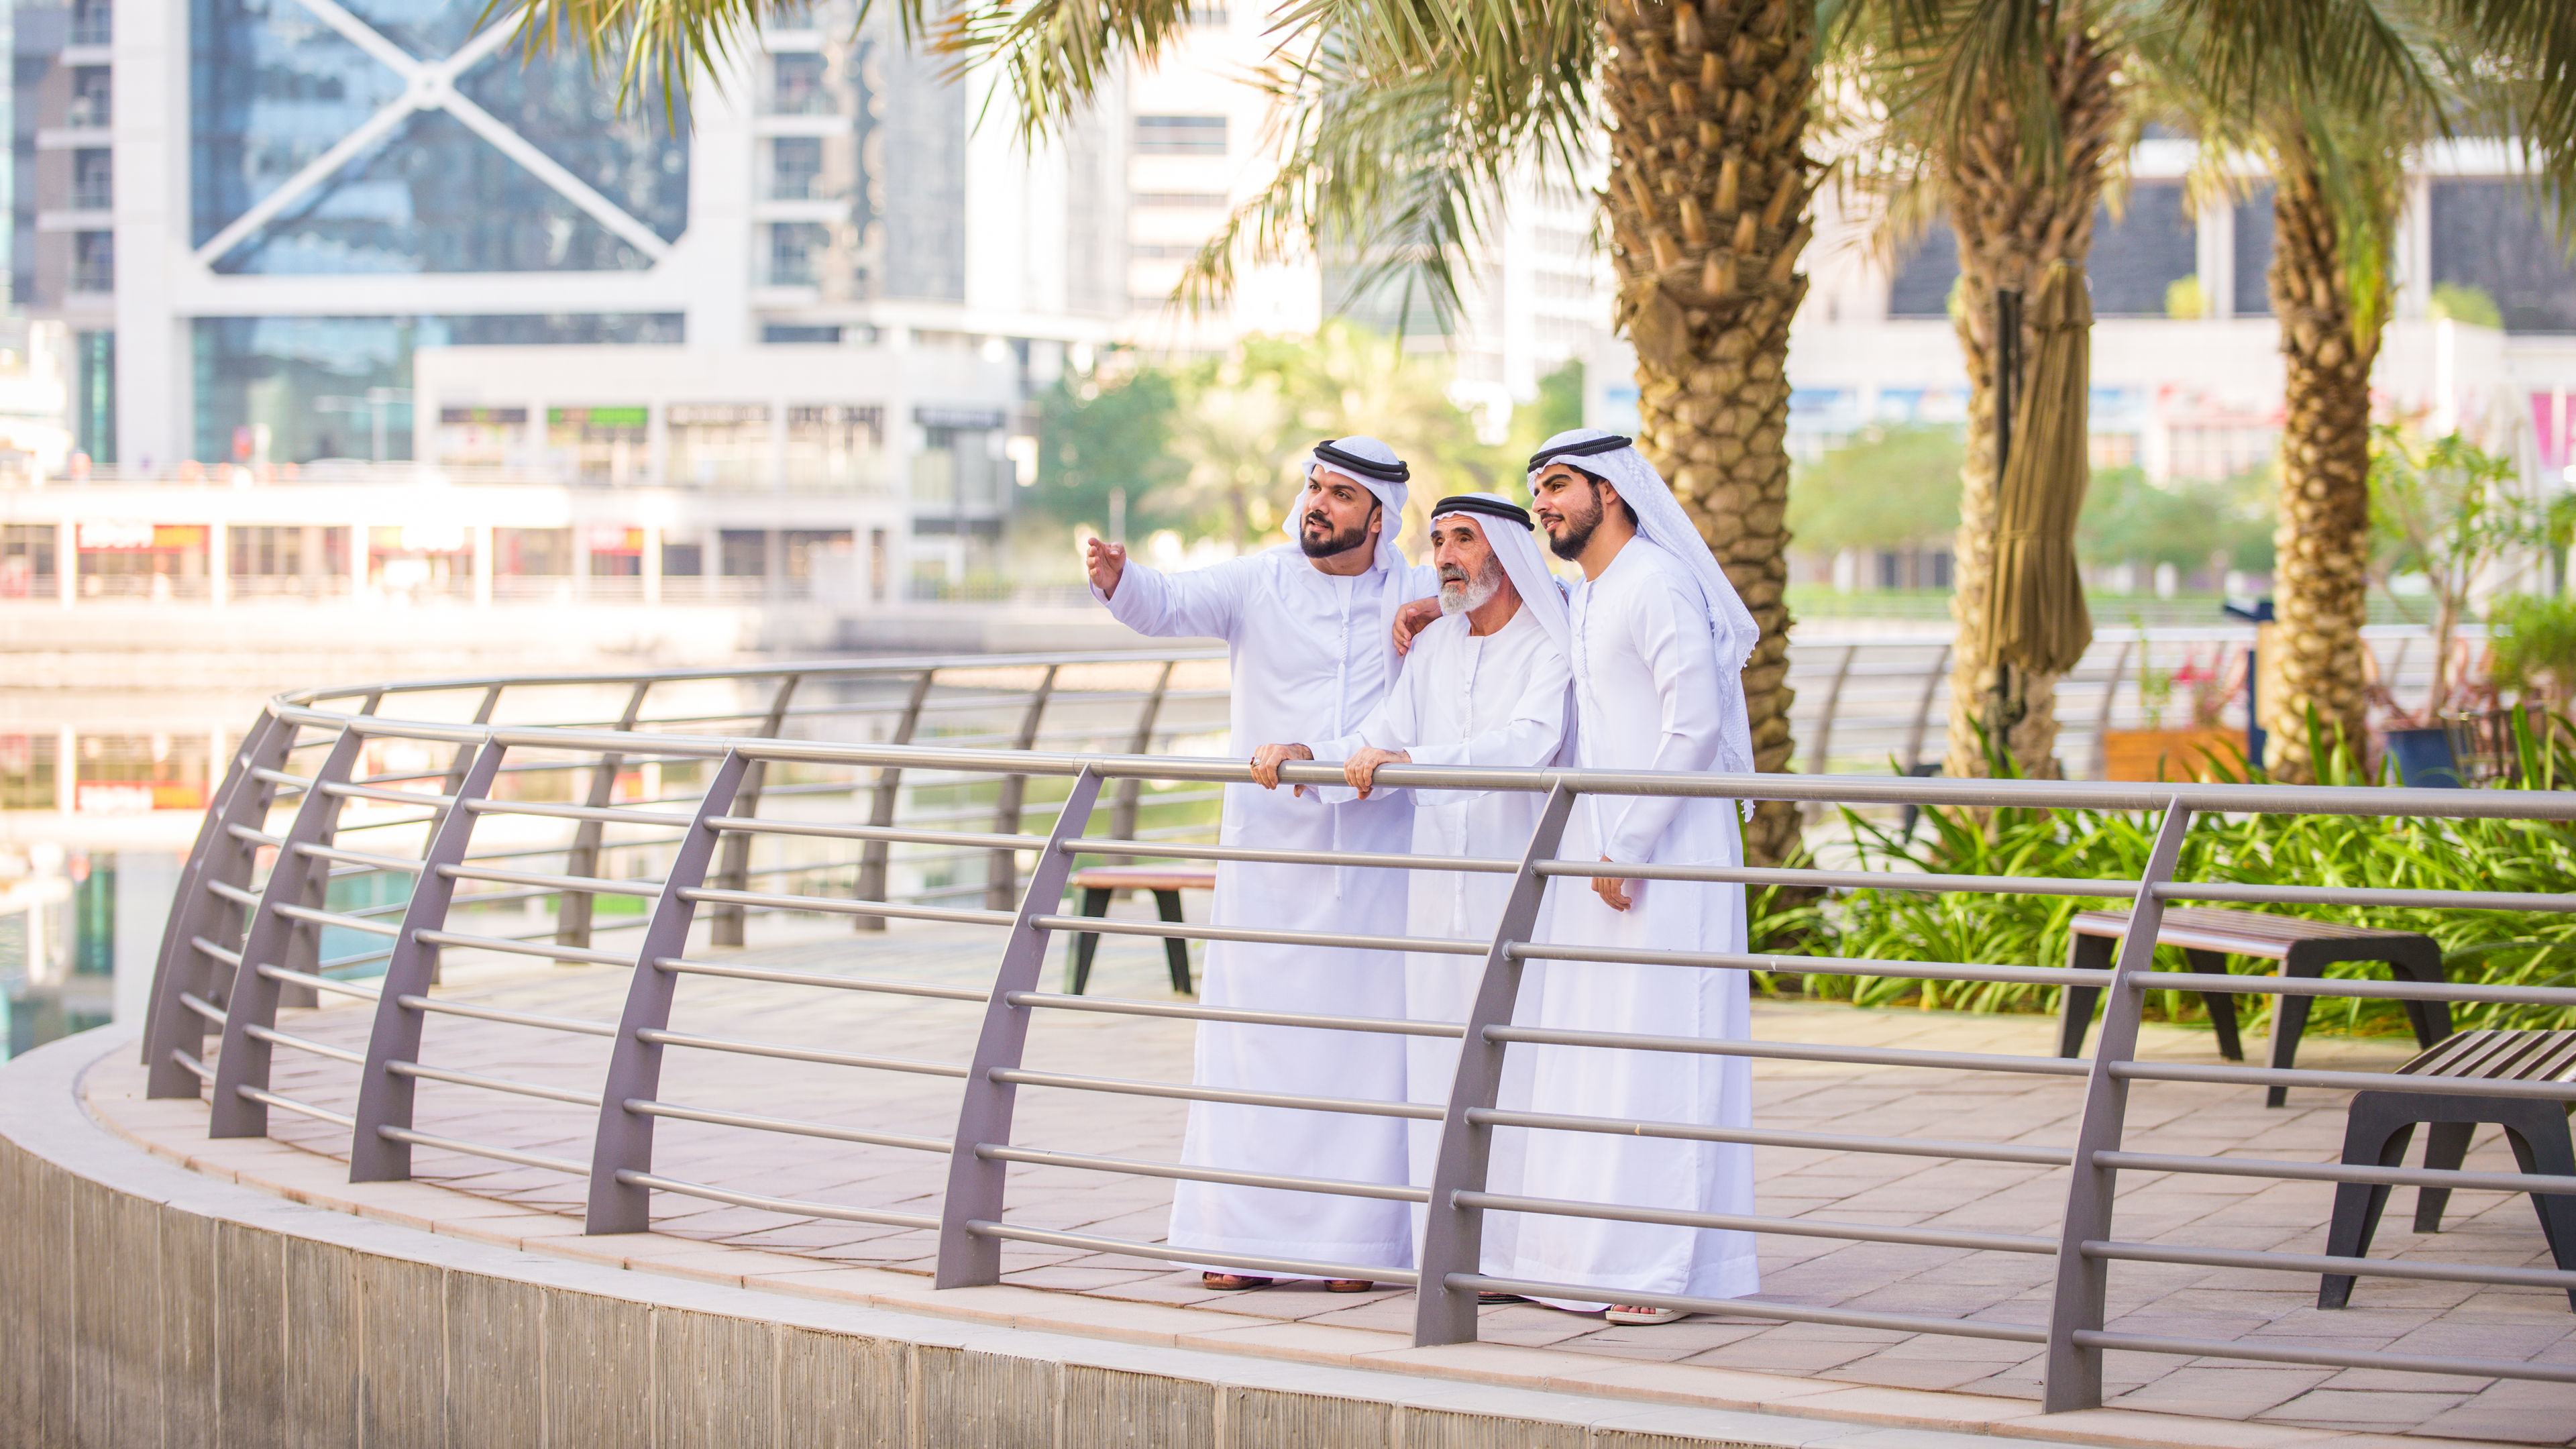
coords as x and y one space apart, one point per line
976 1185
2074 1373
1820 761
881 808
1122 816
1923 710
385 1097
2102 720
573 908
724 927
253 1000
624 1141
1454 1236
219 856
1000 878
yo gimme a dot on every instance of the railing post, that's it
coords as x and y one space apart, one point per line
881 808
1001 877
725 923
1453 1239
384 1096
2102 719
455 778
573 908
976 1186
624 1141
1122 816
1923 710
195 910
2074 1373
253 999
1820 761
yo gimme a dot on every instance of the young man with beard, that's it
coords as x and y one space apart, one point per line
1485 686
1309 631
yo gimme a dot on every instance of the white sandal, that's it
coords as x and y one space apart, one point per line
1643 1315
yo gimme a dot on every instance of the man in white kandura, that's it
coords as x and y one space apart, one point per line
1484 686
1660 642
1309 628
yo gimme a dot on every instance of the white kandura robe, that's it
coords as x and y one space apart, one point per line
1468 702
1311 657
1647 699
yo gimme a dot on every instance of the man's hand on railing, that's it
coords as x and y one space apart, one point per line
1411 620
1360 770
1613 893
1267 760
1108 564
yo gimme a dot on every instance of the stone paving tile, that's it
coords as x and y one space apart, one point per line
1838 1186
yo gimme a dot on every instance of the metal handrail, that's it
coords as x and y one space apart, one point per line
236 939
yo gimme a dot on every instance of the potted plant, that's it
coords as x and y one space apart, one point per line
2205 748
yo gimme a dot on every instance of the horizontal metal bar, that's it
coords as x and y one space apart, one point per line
1336 1187
254 837
203 1007
194 1067
1174 931
2345 986
654 1037
1357 1106
643 1108
319 983
573 1024
1474 864
274 1037
1743 1223
398 797
594 885
477 1149
272 1099
359 857
2485 1368
1796 1051
1761 1137
1118 1006
1193 1257
282 779
2321 1263
748 825
794 1206
2345 1081
226 890
337 963
816 978
604 814
1751 1308
2018 885
2337 1172
2364 896
336 918
541 949
828 906
225 954
493 1084
1814 965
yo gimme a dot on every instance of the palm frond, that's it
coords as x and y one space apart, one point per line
661 48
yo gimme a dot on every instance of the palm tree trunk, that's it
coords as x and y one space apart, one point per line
2321 576
1708 210
2014 215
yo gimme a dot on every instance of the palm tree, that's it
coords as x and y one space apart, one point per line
1401 123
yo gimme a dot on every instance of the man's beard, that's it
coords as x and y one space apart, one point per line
1331 544
1462 595
1579 525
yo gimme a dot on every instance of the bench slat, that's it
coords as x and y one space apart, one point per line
2500 1056
2237 933
1145 878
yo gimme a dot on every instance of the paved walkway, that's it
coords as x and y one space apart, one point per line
2426 1318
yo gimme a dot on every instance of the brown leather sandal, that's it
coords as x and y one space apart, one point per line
1231 1282
1347 1285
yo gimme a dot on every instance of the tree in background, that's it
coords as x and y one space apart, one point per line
1105 458
1892 487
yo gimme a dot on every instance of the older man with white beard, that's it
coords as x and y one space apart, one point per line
1308 627
1485 686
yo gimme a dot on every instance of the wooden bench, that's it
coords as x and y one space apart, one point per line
2382 1122
1100 882
2210 934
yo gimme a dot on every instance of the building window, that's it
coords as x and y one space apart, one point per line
835 445
93 261
718 445
795 168
2253 251
92 106
1181 200
795 247
93 400
1211 17
608 445
791 334
26 563
2149 247
2488 234
92 22
1921 287
93 179
1180 135
799 85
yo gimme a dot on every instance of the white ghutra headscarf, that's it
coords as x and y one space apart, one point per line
1505 527
1660 521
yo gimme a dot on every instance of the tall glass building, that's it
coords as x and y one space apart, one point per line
252 213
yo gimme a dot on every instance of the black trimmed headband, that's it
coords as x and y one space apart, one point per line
1490 507
1585 449
1396 472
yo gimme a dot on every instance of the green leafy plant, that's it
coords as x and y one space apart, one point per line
2533 646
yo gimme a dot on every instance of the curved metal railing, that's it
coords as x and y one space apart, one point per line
717 823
